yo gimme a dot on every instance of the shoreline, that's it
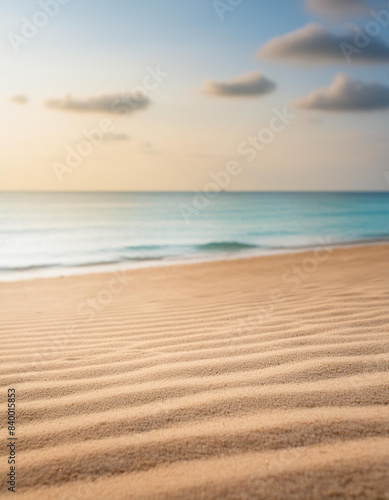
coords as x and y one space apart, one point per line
123 266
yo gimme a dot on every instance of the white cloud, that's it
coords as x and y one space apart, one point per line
312 44
123 103
347 94
340 8
19 99
249 85
116 137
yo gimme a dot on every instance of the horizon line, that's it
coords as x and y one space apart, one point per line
193 191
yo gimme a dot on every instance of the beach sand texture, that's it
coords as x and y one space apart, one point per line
263 378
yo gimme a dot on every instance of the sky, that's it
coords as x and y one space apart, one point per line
150 95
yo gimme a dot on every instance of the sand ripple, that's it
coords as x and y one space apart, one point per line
210 381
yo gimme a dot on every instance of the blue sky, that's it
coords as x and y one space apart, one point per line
96 48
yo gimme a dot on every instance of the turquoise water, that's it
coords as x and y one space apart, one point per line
59 233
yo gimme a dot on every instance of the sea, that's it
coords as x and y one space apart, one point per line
55 234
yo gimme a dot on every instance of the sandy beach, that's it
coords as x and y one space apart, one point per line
261 378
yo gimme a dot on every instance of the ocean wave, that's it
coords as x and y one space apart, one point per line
225 246
31 267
